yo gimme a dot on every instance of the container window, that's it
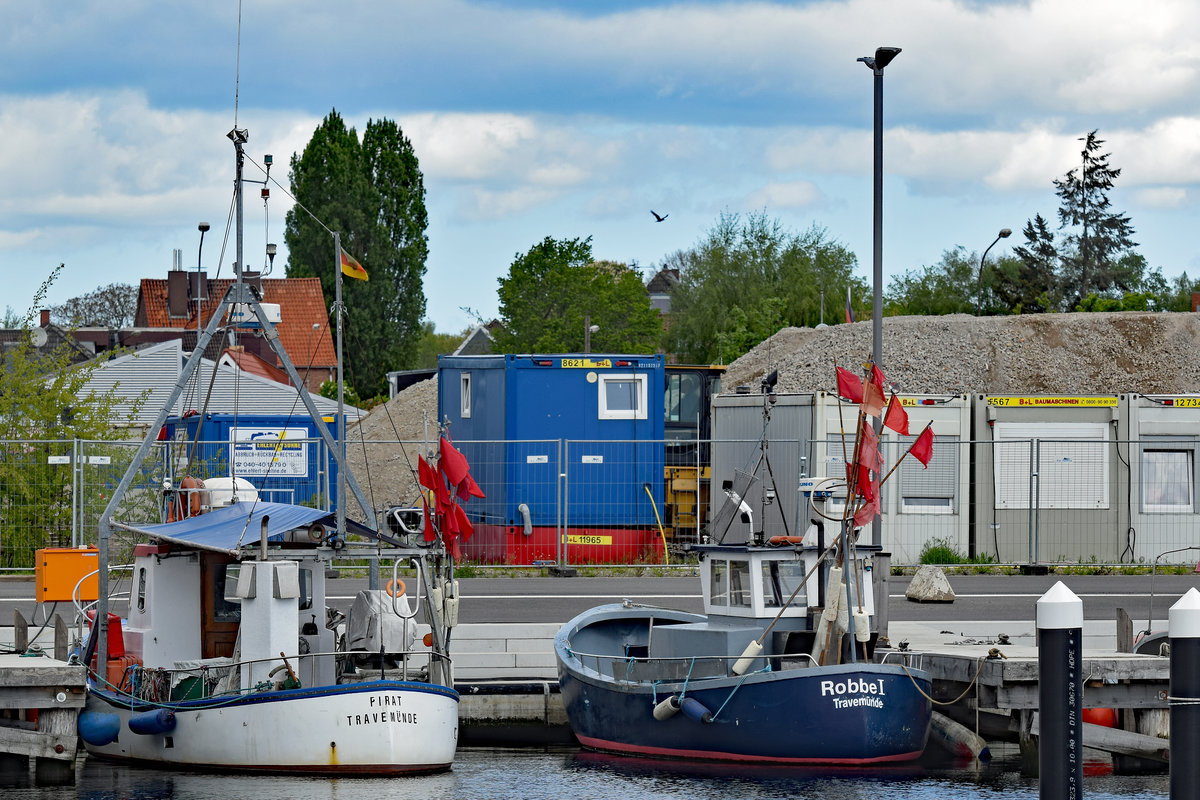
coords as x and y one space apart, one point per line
1072 464
622 396
464 385
1168 480
929 490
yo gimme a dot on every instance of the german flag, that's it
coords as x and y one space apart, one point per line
352 268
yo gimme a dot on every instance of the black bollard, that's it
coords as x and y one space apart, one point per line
1060 694
1183 627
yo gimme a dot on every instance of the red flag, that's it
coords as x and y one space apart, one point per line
429 532
868 447
441 493
463 524
425 474
469 488
849 386
453 463
877 376
452 547
922 449
896 417
872 402
865 486
866 513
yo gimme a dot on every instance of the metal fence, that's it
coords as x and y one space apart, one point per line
577 502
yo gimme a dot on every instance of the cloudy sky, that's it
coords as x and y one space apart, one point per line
534 118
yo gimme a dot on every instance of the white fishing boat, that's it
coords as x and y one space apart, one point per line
229 657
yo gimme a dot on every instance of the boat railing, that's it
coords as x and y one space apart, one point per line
635 668
219 679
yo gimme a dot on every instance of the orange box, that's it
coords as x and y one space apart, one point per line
58 569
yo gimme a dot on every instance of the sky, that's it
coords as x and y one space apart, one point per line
533 118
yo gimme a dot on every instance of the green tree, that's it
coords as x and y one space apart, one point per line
1034 287
373 193
748 278
1092 253
947 287
434 344
112 306
555 288
43 406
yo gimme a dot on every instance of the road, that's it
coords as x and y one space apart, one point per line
978 597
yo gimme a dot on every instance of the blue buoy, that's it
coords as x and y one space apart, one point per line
98 728
152 723
696 710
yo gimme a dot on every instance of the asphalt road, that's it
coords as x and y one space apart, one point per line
979 597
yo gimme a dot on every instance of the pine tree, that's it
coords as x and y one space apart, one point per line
1100 237
1036 285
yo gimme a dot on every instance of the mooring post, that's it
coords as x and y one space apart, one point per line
1183 628
1060 694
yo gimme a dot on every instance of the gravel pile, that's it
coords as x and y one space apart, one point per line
385 469
1098 353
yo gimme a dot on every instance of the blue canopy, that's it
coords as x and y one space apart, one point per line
226 530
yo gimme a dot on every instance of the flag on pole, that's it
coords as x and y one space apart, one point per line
866 513
873 395
351 268
896 417
922 449
849 310
849 386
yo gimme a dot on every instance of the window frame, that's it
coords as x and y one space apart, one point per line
641 399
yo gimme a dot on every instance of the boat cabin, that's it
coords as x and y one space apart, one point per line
746 583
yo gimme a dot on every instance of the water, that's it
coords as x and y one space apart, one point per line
537 775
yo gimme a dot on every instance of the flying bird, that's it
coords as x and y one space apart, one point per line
657 218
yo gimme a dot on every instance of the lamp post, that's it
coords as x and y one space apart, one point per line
588 330
883 56
1003 234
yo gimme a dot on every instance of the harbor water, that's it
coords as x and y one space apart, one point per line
538 775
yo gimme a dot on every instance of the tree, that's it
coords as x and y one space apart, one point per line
373 193
552 291
1092 254
434 344
112 306
42 398
947 287
747 279
1035 286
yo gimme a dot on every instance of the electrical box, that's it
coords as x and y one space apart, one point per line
59 569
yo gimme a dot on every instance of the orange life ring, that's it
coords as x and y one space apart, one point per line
777 540
391 586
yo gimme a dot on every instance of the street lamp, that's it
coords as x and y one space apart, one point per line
588 330
1003 234
883 56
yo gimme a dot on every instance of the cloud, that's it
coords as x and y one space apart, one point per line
784 194
1162 197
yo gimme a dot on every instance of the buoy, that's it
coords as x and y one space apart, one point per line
752 651
1101 716
862 626
152 723
959 740
695 709
395 588
98 728
667 708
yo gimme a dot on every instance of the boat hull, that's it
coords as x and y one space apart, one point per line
862 713
371 728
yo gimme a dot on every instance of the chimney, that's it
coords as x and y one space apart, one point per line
177 287
45 317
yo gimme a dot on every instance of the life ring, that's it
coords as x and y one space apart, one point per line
186 502
778 540
391 585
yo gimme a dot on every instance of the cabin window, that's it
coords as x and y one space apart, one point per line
929 490
1072 464
225 580
306 587
772 595
791 575
739 584
141 590
464 393
1168 476
683 398
622 396
718 589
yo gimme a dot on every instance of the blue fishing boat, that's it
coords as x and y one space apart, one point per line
779 669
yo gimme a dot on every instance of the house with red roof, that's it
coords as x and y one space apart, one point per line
184 302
